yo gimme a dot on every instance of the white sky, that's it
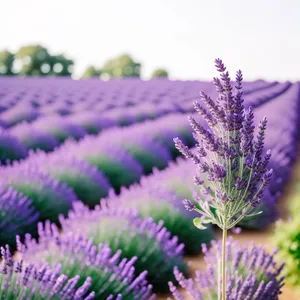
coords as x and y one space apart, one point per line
261 37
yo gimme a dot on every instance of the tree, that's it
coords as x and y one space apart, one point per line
61 66
35 60
32 60
6 63
122 66
160 73
90 72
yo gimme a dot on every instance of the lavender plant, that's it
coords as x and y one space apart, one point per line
10 148
86 181
32 138
156 250
49 197
162 204
19 281
17 215
110 275
252 274
115 163
232 165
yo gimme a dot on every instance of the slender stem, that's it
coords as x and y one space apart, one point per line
224 264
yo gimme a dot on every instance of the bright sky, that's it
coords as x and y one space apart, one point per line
261 37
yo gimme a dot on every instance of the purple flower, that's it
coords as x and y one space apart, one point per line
135 236
18 215
164 205
233 167
89 184
10 148
39 282
102 268
188 205
49 197
32 138
262 281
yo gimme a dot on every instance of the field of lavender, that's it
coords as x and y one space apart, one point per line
91 186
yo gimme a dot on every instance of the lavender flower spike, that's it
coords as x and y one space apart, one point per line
233 168
233 165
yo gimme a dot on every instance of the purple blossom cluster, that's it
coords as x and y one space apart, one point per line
27 281
109 275
87 182
163 204
232 164
18 215
252 274
10 148
49 196
156 250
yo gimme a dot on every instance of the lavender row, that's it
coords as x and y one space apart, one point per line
73 96
49 132
170 96
86 170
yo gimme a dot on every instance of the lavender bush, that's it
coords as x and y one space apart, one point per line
116 164
142 147
59 128
10 148
49 197
231 161
155 249
33 138
26 281
17 216
110 275
89 184
252 274
162 204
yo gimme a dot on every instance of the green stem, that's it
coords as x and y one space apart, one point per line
223 267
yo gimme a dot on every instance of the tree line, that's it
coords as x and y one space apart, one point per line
36 60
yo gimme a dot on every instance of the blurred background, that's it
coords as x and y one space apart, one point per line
144 38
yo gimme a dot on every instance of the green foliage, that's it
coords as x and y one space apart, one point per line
177 223
295 202
6 63
122 66
91 72
148 158
160 73
142 244
30 59
35 60
61 66
118 173
287 239
82 184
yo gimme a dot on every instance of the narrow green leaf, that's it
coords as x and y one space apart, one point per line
198 223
